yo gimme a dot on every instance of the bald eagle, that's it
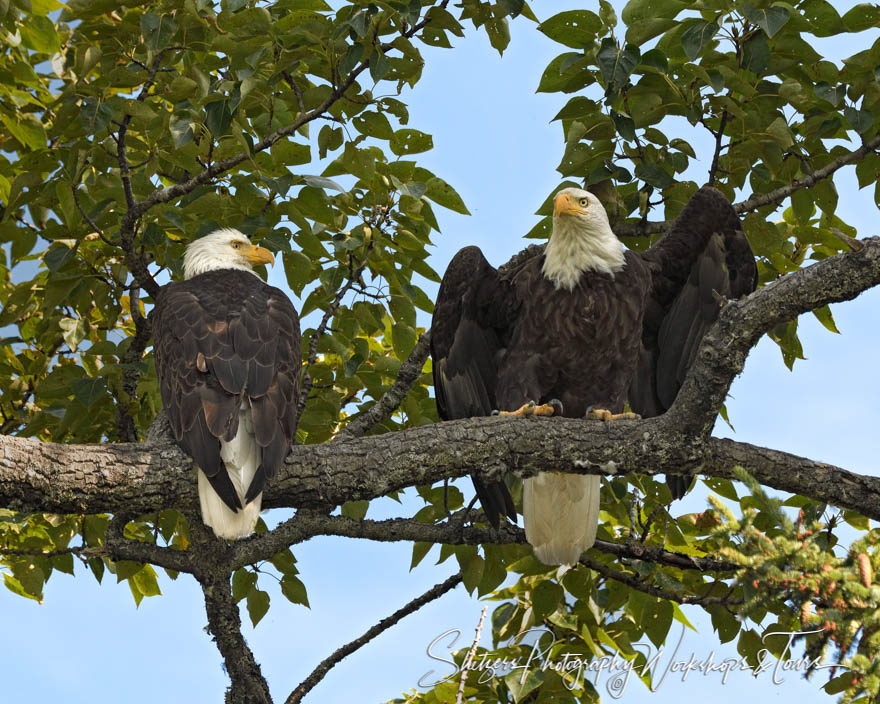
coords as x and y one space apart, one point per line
580 326
227 349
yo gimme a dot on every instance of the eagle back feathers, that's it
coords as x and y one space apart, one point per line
226 340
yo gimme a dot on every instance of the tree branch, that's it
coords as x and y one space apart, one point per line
741 323
634 582
307 524
409 372
643 229
131 373
773 197
248 684
321 670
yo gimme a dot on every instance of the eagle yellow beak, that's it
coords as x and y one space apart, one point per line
259 255
564 205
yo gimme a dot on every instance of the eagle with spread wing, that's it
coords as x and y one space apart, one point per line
578 328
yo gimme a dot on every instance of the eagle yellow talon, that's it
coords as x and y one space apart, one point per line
607 416
526 409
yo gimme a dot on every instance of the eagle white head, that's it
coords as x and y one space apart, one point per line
582 239
223 249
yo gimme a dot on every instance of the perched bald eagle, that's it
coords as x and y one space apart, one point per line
581 326
227 351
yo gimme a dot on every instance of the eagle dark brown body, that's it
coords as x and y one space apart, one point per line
226 341
548 353
503 337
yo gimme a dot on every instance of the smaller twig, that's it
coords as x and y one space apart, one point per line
409 372
646 527
118 547
635 583
470 655
89 220
713 170
324 667
24 222
295 88
354 275
853 244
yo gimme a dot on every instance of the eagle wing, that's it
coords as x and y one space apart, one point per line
704 257
472 318
222 339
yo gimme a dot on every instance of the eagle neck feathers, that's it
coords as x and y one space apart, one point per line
574 249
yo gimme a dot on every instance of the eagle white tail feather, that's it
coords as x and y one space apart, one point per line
561 514
242 456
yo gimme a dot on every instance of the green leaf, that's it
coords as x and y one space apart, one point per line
443 194
243 582
756 54
833 94
420 549
13 585
73 330
181 130
607 14
860 120
298 269
645 19
696 36
770 19
498 30
27 129
472 573
653 174
373 124
218 117
258 604
379 66
89 390
494 574
157 31
725 624
409 141
861 17
293 590
546 598
616 64
325 183
146 581
39 34
521 684
574 28
656 622
823 315
624 125
356 510
826 195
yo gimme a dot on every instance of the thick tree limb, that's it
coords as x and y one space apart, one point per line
324 667
144 478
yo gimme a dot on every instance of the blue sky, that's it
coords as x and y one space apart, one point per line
494 142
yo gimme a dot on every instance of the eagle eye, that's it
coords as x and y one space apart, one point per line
584 202
236 245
